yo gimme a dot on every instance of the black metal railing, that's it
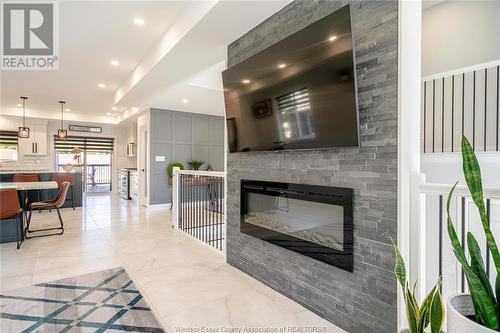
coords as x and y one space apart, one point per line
96 174
201 208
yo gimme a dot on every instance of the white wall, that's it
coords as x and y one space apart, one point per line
447 168
457 34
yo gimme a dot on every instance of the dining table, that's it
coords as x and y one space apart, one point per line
28 186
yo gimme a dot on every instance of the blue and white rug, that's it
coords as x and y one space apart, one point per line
96 302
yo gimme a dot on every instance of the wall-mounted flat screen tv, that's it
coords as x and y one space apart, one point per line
299 93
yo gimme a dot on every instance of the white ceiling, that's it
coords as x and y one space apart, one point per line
177 54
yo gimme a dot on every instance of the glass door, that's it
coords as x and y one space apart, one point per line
93 155
98 171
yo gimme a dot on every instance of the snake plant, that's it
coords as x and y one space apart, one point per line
430 312
485 300
196 164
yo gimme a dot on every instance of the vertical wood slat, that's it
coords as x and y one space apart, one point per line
461 104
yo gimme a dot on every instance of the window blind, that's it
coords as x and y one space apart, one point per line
8 138
84 143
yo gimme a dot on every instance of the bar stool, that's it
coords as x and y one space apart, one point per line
25 178
10 207
48 204
66 177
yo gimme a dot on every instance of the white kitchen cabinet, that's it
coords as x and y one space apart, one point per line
37 143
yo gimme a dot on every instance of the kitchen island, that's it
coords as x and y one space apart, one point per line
8 176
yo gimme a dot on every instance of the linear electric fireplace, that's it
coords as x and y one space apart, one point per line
315 221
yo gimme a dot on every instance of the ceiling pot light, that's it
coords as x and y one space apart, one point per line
115 63
67 109
108 114
101 85
245 81
23 131
185 100
19 105
62 134
332 38
281 66
139 21
113 108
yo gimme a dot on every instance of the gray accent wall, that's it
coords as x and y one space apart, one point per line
181 137
365 300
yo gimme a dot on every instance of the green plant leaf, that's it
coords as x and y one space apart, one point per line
472 174
477 264
426 303
484 305
411 312
497 293
399 267
424 318
437 311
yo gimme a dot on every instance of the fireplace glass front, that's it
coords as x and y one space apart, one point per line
315 221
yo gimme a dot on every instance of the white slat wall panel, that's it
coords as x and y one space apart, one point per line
461 104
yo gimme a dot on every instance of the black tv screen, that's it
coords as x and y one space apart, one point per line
299 93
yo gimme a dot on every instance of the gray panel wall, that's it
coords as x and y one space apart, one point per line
365 300
181 137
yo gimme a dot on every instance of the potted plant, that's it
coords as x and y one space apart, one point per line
196 164
170 170
478 311
430 312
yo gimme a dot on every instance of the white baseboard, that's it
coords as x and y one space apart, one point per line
160 206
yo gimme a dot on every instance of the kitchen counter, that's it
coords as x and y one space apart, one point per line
3 172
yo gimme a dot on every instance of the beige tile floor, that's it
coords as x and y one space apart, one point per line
187 284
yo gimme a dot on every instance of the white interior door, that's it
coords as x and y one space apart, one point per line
143 165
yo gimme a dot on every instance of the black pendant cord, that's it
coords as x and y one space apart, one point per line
62 114
24 110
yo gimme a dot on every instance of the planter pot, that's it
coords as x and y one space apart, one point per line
67 167
460 306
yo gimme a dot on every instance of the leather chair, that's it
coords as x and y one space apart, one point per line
24 178
66 177
49 204
10 207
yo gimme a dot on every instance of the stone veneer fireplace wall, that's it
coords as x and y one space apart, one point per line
365 300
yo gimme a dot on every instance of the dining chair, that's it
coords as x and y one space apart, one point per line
70 178
48 204
24 178
10 207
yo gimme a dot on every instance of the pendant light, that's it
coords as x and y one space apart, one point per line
62 134
23 132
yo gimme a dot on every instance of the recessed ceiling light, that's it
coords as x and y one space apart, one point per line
245 81
115 63
19 105
185 100
67 109
108 114
101 85
332 38
281 65
113 108
139 21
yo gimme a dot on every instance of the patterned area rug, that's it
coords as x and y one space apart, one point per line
96 302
